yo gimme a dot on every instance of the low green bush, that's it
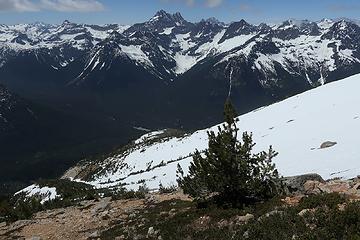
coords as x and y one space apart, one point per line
123 193
167 189
330 200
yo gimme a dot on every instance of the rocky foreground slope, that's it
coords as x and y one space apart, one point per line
173 216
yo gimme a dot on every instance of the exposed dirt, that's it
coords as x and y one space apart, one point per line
85 221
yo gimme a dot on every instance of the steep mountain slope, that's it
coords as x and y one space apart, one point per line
315 131
34 138
14 112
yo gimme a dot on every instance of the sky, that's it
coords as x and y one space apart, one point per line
133 11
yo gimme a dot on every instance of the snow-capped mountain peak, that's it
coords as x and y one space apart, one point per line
167 18
213 21
168 46
66 22
325 23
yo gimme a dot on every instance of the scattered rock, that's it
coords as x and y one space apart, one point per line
172 212
104 215
356 186
94 235
342 206
243 219
86 205
103 205
305 211
336 186
202 223
151 199
34 238
20 224
292 200
348 187
327 144
53 214
164 213
274 212
204 220
82 221
129 210
223 223
312 187
151 232
144 220
296 183
2 224
73 172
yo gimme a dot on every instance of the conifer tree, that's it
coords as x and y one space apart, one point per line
228 171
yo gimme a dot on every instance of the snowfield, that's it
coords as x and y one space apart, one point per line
44 193
295 127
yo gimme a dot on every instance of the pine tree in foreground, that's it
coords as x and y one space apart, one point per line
228 171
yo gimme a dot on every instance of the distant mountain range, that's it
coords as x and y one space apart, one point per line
112 82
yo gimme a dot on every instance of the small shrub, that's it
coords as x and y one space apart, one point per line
11 210
168 189
123 193
142 191
331 200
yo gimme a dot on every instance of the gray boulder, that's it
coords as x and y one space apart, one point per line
34 238
327 144
296 183
103 205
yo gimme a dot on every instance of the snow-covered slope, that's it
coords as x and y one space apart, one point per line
296 127
44 193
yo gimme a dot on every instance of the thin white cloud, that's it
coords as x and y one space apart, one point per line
245 7
190 2
18 6
249 9
72 5
213 3
187 2
343 8
52 5
207 3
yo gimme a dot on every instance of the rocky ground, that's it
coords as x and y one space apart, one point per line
143 218
85 221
